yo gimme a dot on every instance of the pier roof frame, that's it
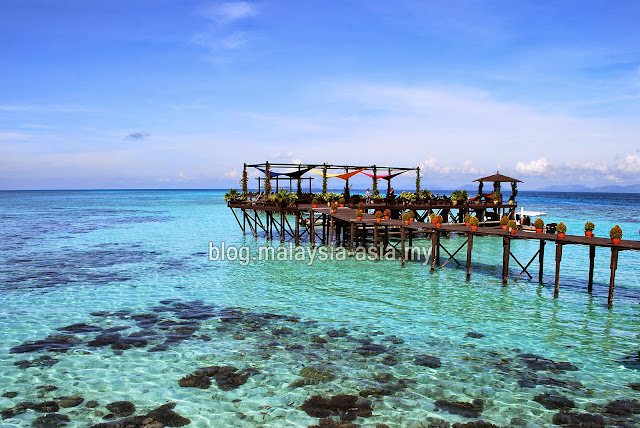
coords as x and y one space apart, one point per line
329 166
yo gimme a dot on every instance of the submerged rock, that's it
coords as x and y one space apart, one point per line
10 394
91 404
579 420
80 328
347 407
461 408
41 362
121 408
227 377
195 381
45 407
369 350
332 423
317 373
475 335
343 332
623 407
428 361
536 363
163 416
51 420
70 401
554 402
53 343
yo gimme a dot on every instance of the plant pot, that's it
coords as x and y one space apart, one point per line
386 217
314 206
466 223
560 235
358 218
615 241
341 205
406 222
379 220
588 233
454 202
334 211
512 231
412 219
504 226
438 225
538 231
474 228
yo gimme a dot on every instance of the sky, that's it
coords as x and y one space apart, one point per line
179 94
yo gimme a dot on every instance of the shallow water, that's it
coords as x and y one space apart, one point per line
66 255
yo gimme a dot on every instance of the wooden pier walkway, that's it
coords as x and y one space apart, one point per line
343 228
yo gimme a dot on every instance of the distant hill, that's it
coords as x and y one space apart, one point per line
634 188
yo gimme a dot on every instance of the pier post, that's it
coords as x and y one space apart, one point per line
435 245
282 226
469 247
297 237
541 260
375 241
556 289
612 278
592 256
402 256
506 250
331 233
352 231
410 243
312 227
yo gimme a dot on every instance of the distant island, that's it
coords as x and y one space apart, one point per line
571 188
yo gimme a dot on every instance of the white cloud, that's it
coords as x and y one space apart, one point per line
534 167
631 164
230 11
232 174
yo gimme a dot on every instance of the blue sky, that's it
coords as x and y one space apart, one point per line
167 94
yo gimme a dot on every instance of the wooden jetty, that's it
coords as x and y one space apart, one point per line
321 225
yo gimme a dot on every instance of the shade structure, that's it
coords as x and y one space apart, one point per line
344 176
498 177
385 177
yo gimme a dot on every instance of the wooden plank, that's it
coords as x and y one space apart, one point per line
469 248
612 278
592 257
506 250
541 260
556 289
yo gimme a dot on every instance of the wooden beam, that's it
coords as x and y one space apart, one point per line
469 248
402 256
375 240
312 225
435 244
592 256
612 278
352 233
506 250
556 289
541 260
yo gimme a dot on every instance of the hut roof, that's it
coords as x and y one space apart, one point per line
498 177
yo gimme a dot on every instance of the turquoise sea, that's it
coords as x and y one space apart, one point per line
110 309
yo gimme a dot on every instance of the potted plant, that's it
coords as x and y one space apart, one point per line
616 234
497 197
539 225
334 208
513 226
341 201
360 205
359 215
406 218
387 214
474 223
314 203
467 217
438 220
412 215
504 221
561 229
459 196
378 216
588 229
432 217
231 195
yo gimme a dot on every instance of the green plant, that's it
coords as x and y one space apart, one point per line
292 198
341 200
387 213
425 194
504 220
473 221
411 214
417 181
374 185
378 214
538 224
324 178
360 206
267 179
407 196
359 213
615 232
406 217
314 201
231 195
460 196
512 224
432 216
376 197
334 206
561 228
244 181
467 217
438 219
589 226
496 196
